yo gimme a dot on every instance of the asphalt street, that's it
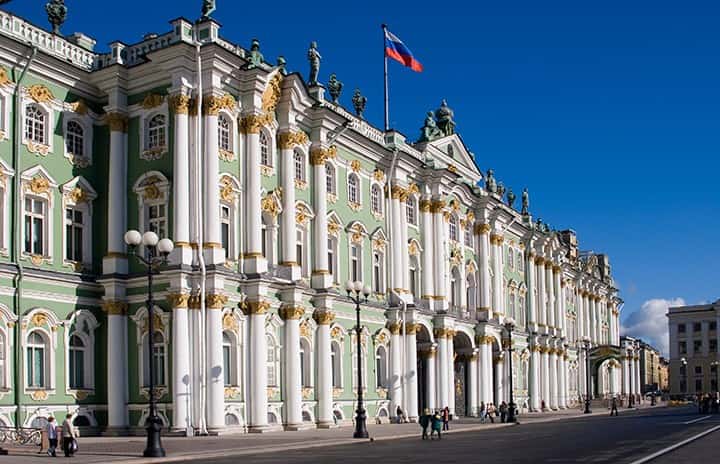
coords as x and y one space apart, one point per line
600 439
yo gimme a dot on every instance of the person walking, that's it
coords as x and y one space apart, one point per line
424 423
436 425
482 412
446 418
503 411
613 406
69 435
52 435
491 412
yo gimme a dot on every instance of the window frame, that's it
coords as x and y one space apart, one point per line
44 345
376 200
354 190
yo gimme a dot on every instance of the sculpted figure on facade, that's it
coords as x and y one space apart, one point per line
430 131
445 120
314 59
335 88
490 183
510 198
359 102
500 189
208 8
57 13
281 63
525 202
256 58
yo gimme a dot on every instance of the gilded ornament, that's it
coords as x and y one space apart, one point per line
378 175
229 322
151 192
394 328
4 79
425 206
79 107
256 307
178 300
378 244
452 168
227 193
38 148
115 308
40 93
305 329
481 229
152 100
179 103
38 185
39 319
291 312
215 300
413 248
270 205
354 206
355 165
307 393
333 228
39 395
437 206
118 122
271 96
397 192
252 123
77 195
324 318
288 140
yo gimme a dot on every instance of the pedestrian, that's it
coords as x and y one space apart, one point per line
446 418
399 413
52 436
613 406
491 412
424 423
436 425
482 412
503 411
69 436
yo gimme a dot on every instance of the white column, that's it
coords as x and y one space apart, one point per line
443 372
396 368
289 259
182 378
534 383
211 175
499 381
562 374
320 276
431 381
254 261
411 382
439 250
404 250
324 363
557 291
258 365
396 239
181 179
486 370
214 372
542 306
625 376
545 376
428 288
553 378
293 381
638 391
497 268
117 363
472 389
552 300
115 261
484 256
531 284
450 402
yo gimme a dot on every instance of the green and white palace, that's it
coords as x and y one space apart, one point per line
275 196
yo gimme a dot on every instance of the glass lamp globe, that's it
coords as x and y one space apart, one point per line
358 286
150 238
165 246
133 237
366 290
349 286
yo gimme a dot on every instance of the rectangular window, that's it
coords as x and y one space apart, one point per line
410 209
698 370
299 247
377 273
681 328
34 226
468 237
77 375
354 263
713 325
36 367
683 347
697 327
413 281
697 345
225 229
74 235
713 346
331 258
157 220
226 364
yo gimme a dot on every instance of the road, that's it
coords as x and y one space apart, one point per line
624 439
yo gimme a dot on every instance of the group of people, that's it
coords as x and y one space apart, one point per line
438 422
67 431
708 403
490 412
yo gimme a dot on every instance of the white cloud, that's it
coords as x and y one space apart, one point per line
651 323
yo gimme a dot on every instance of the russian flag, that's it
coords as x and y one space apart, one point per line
396 49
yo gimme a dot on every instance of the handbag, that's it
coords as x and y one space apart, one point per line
73 446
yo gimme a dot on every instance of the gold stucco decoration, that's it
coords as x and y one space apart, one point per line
229 322
115 308
117 122
39 395
38 148
39 320
79 107
270 205
325 318
227 193
178 300
179 103
252 123
38 185
77 195
425 206
378 244
256 307
215 300
4 79
355 165
271 96
452 168
292 312
288 140
305 329
378 175
319 156
333 228
413 248
40 93
152 100
357 234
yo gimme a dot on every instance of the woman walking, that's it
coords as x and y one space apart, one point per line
69 435
436 425
446 418
503 411
491 412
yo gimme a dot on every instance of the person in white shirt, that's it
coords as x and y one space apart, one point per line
52 435
69 434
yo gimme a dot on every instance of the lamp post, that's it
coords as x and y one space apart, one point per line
716 365
155 254
652 379
509 326
586 344
360 296
683 372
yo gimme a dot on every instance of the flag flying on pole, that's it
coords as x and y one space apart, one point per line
396 49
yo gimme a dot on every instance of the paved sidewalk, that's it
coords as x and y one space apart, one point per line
128 450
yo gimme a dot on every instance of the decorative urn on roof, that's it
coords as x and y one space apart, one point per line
57 13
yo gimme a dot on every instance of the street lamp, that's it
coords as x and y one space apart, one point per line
716 365
509 326
155 254
683 372
360 296
586 344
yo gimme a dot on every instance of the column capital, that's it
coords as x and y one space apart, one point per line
255 307
178 300
215 300
212 104
291 311
425 205
481 228
252 123
115 308
437 206
117 121
496 239
318 155
394 328
179 103
323 317
290 139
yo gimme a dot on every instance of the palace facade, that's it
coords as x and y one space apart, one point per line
274 196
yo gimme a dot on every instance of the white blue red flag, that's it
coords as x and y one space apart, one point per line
396 49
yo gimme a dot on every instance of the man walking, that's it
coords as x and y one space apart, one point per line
52 436
613 407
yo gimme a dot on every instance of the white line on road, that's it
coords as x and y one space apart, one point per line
675 446
696 420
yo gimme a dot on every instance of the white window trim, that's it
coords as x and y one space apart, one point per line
47 147
81 317
276 359
272 151
381 203
145 200
233 132
7 319
413 200
384 382
340 363
231 199
83 204
5 186
48 328
359 201
311 363
333 246
87 126
49 197
6 93
334 178
145 116
140 319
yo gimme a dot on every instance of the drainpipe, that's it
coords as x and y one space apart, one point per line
388 221
15 248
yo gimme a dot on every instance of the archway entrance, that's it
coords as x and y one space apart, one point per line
425 356
604 375
463 352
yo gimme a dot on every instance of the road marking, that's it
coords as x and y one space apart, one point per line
696 420
675 446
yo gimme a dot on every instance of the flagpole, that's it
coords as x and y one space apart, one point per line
387 112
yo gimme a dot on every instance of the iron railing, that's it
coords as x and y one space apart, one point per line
21 436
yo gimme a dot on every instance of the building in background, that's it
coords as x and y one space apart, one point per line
663 375
694 355
649 367
275 195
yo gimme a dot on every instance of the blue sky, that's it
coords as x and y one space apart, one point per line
608 113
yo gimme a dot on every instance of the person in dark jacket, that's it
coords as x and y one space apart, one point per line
424 421
436 425
503 411
613 407
446 418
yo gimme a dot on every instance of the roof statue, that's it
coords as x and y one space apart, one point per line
208 8
359 102
314 59
335 88
256 58
490 183
281 63
429 130
510 198
445 120
539 225
525 202
57 13
500 189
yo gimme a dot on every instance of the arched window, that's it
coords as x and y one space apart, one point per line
376 199
355 263
231 420
510 258
299 167
336 361
37 361
455 288
378 279
353 187
76 364
265 158
225 134
453 227
228 359
381 367
332 258
411 210
520 262
413 269
74 138
468 236
74 228
511 305
305 368
330 179
471 291
272 362
158 357
35 124
521 311
157 131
